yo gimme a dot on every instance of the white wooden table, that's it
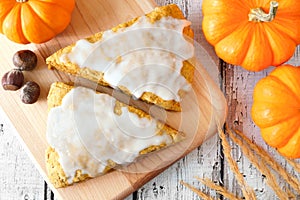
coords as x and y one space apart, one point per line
19 179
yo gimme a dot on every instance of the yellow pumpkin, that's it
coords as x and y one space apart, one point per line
276 109
34 21
250 33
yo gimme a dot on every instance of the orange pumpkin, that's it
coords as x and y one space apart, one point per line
276 109
34 21
250 33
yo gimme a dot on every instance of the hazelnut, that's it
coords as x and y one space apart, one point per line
13 80
25 60
30 92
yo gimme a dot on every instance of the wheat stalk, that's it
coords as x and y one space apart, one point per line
221 190
198 192
247 191
258 163
295 165
291 180
258 157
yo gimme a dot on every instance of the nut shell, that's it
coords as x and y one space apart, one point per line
12 80
30 92
25 60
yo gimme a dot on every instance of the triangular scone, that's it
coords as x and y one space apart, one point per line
90 133
147 57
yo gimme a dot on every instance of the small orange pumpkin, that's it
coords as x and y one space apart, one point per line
276 109
250 33
34 21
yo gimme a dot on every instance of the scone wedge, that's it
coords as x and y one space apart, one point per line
90 133
148 57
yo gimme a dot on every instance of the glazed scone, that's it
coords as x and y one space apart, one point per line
148 57
90 133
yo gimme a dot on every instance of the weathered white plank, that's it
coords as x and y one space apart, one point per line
19 179
239 85
203 162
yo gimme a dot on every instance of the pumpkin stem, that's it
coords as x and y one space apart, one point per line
258 15
21 1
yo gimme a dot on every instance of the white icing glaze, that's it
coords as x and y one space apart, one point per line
86 133
144 57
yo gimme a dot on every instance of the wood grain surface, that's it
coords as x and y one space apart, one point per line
19 178
202 108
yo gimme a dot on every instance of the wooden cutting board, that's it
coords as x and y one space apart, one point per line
203 108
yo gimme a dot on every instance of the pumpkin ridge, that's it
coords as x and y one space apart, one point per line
279 26
289 117
237 26
209 7
264 106
213 40
33 13
267 132
36 13
289 7
243 27
279 104
286 86
4 6
257 33
268 41
16 10
290 148
274 28
282 46
53 3
230 18
265 124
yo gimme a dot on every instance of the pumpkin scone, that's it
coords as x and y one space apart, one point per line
148 57
90 133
